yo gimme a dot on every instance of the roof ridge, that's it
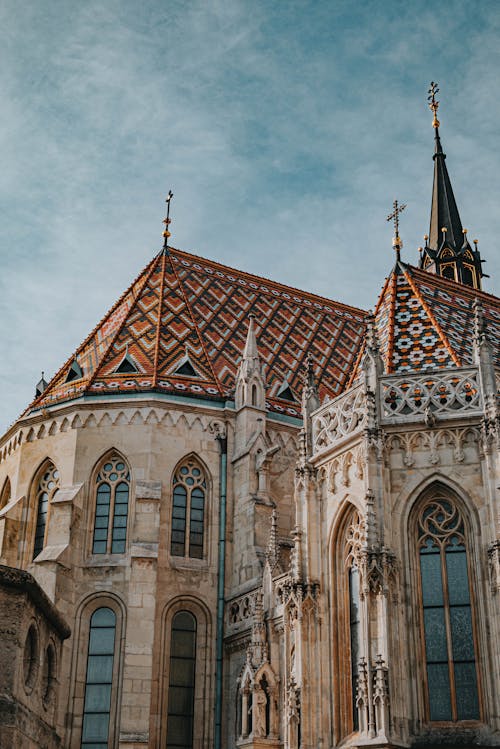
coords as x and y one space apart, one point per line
432 318
121 325
392 325
160 308
200 338
278 284
94 330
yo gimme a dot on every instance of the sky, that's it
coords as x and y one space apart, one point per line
285 129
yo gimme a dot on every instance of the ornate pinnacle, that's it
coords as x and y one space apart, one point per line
433 103
272 553
167 221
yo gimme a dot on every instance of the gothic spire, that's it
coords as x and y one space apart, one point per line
447 251
444 211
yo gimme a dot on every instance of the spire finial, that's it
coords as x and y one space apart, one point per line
167 221
397 242
433 103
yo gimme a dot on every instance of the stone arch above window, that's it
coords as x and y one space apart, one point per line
111 484
446 608
45 487
189 496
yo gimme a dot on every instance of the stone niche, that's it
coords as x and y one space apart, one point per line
31 636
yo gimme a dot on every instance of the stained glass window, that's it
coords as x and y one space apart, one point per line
99 680
188 510
112 494
452 688
181 681
354 627
46 488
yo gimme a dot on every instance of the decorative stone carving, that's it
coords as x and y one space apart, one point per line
339 418
444 394
494 565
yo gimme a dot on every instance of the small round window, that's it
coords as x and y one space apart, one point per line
30 659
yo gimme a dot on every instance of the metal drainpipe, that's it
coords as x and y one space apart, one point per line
220 591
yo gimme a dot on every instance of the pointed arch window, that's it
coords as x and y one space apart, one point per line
112 487
181 690
47 486
6 493
447 616
349 548
188 510
99 679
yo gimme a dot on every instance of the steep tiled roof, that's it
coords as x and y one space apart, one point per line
425 321
185 310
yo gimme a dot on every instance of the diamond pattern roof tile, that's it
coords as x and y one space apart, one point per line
183 305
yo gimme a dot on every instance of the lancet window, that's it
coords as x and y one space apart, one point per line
188 510
353 542
447 616
180 720
99 679
5 494
46 487
112 487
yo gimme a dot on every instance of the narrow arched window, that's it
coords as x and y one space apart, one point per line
188 510
349 547
447 614
46 488
99 679
112 487
180 718
5 495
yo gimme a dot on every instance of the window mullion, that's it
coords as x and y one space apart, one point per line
447 620
188 522
111 518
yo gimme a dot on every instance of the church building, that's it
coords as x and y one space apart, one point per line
244 515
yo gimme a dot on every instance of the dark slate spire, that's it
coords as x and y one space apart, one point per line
444 211
447 251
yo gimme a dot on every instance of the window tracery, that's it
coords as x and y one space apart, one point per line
112 487
47 487
188 510
447 617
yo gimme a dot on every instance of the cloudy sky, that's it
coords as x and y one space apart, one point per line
284 128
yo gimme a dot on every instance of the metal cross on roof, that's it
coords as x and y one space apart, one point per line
394 216
167 220
433 103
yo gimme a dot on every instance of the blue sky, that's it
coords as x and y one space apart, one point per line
285 130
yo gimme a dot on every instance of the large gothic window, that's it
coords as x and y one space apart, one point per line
46 487
99 679
188 510
447 613
348 545
112 487
181 681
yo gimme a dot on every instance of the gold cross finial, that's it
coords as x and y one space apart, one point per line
433 103
167 221
394 216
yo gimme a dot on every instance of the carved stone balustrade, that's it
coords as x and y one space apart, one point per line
438 394
339 419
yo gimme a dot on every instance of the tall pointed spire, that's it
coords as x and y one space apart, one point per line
444 211
447 251
250 382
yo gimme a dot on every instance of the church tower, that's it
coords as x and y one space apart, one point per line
447 250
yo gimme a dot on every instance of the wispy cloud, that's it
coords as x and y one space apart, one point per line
285 130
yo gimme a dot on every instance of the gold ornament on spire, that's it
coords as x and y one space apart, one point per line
167 221
433 103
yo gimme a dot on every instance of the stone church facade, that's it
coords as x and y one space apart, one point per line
267 519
